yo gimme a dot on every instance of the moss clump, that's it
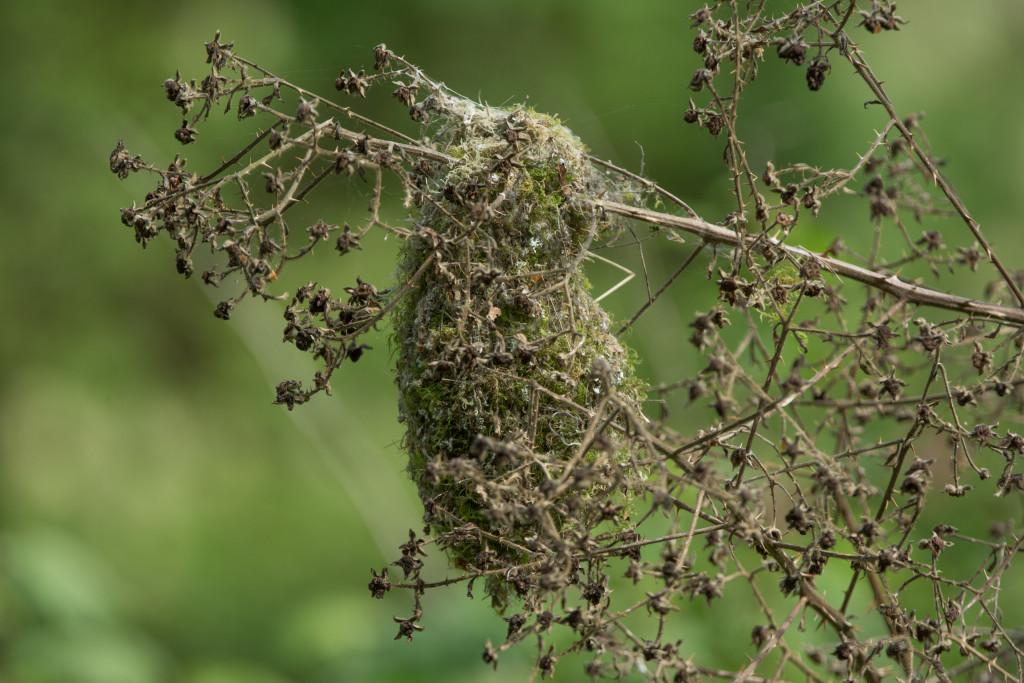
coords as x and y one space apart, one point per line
511 384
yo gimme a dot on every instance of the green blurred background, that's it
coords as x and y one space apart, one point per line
161 520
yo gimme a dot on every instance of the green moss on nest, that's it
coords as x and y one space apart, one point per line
499 338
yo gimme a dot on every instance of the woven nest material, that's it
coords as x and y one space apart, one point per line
514 392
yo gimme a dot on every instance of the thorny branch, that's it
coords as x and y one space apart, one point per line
854 404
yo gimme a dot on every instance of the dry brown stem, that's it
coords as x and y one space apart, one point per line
848 413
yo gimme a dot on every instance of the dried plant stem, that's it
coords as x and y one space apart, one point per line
889 283
817 434
771 644
857 60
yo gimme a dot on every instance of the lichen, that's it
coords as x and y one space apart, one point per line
504 360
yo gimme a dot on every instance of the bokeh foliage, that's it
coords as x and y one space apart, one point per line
163 521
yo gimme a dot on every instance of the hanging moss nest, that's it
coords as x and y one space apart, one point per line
516 396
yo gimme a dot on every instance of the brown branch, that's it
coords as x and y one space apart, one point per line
876 87
890 283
